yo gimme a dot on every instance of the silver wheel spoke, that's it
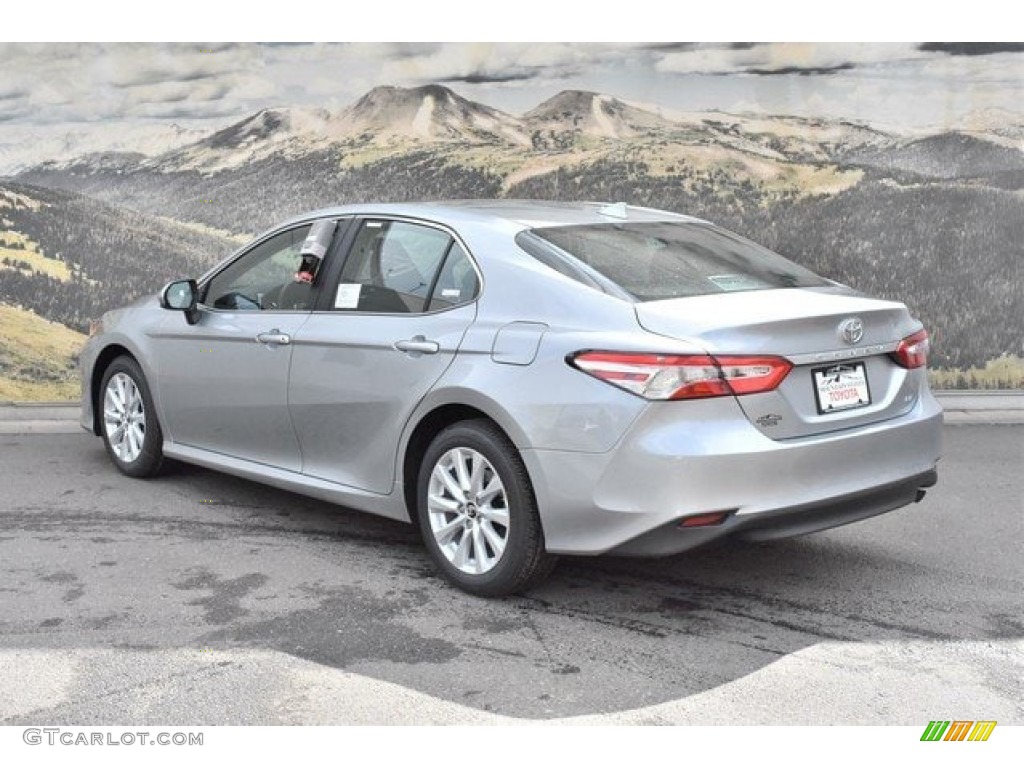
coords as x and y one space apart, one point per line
476 477
138 437
133 445
493 489
479 551
461 556
497 543
461 470
446 532
441 473
440 502
495 515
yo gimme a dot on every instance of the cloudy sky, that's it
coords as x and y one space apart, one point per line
897 85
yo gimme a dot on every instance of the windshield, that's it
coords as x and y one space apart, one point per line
663 260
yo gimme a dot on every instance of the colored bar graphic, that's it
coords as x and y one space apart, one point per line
982 730
934 730
958 730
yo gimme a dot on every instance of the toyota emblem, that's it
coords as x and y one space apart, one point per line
851 330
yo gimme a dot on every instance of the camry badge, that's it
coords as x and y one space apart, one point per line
851 330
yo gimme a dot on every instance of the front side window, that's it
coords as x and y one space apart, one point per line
394 267
663 260
264 279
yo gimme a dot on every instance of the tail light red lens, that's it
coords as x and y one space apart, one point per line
913 350
703 520
684 377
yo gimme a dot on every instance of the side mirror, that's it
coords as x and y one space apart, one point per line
182 295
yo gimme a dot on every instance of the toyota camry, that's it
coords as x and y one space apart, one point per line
523 380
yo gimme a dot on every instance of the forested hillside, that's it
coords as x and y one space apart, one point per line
100 256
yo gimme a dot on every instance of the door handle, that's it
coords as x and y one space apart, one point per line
273 337
418 344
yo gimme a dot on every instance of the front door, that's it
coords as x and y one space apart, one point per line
224 380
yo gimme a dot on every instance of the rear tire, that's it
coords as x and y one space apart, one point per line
128 423
478 513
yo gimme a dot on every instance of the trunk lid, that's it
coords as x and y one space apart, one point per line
804 326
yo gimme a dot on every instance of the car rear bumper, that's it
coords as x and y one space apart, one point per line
671 539
683 459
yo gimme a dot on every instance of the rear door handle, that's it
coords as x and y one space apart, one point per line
273 337
418 344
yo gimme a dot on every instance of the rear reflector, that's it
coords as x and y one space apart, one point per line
684 377
913 350
699 521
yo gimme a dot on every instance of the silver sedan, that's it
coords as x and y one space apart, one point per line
525 380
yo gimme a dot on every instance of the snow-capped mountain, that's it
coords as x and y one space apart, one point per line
594 114
396 119
291 132
427 113
386 115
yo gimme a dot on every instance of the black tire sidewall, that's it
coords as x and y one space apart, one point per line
149 460
513 570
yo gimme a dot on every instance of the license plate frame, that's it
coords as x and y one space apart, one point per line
841 387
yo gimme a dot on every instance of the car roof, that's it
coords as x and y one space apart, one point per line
526 214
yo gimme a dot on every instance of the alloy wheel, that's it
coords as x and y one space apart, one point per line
124 417
467 508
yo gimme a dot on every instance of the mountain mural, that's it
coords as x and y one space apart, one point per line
934 220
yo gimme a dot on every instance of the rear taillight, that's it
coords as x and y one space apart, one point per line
705 519
913 350
684 377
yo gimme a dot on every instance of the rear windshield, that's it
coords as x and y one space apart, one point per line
663 260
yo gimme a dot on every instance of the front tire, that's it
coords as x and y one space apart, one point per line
478 513
129 427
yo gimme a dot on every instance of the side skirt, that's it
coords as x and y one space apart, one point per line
390 505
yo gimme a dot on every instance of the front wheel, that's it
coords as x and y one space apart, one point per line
477 511
131 432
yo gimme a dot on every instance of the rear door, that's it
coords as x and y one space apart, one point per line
390 321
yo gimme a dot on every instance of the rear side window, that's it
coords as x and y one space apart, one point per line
457 282
391 267
664 260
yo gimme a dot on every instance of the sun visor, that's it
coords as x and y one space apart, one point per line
319 238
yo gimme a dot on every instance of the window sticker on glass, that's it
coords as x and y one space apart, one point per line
737 282
451 293
347 296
